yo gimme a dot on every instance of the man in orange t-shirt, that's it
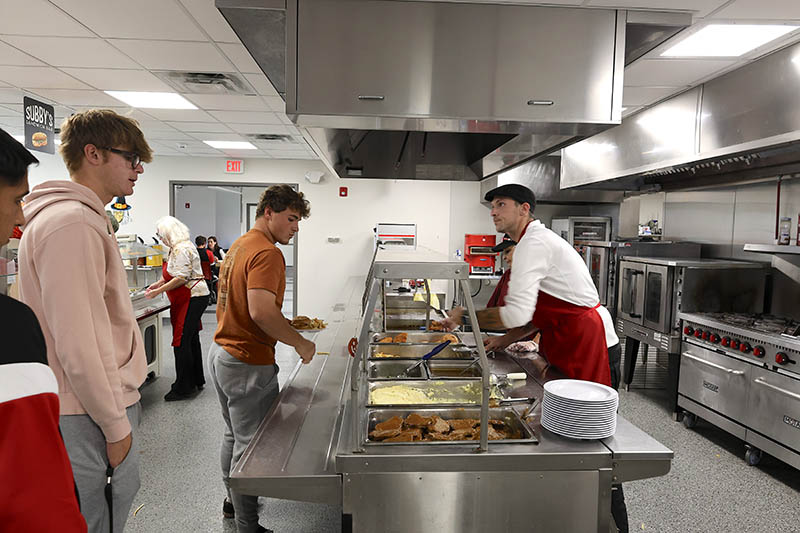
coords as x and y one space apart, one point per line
241 362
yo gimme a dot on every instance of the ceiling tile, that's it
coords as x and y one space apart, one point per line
218 137
244 153
11 56
633 96
631 110
761 10
197 127
127 111
277 129
166 55
246 117
227 102
142 19
671 72
7 112
180 115
18 107
71 51
209 17
285 120
38 17
241 58
39 78
261 84
701 8
11 96
276 103
166 136
118 79
78 98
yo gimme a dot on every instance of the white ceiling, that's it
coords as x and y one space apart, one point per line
67 52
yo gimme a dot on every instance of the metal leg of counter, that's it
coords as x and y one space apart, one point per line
631 353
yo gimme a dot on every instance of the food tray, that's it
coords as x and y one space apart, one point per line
455 392
393 370
416 351
452 370
415 337
507 414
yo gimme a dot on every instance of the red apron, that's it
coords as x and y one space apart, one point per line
179 306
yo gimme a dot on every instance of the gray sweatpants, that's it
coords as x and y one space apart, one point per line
86 447
246 393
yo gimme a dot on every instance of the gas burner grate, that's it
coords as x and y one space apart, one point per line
770 324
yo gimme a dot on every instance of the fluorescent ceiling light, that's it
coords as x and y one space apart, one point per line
151 100
727 40
231 145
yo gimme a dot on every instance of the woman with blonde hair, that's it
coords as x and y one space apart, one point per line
182 279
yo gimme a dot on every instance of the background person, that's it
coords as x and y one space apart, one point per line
94 346
183 281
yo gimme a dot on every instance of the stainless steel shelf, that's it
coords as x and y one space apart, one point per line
772 249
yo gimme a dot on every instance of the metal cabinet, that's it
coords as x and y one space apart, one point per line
422 59
774 406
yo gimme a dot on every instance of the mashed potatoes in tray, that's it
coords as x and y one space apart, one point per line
437 392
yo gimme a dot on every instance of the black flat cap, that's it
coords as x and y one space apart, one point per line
507 242
515 191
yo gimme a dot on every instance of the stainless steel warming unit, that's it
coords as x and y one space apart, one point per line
574 229
654 290
741 372
318 441
602 259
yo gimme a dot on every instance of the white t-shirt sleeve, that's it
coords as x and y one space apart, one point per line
532 260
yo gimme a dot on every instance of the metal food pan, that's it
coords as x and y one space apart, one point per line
453 370
455 392
416 337
381 370
507 414
416 351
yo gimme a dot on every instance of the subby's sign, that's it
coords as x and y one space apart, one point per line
39 126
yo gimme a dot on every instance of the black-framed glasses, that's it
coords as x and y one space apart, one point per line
133 157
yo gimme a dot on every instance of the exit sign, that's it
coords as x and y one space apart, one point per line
234 166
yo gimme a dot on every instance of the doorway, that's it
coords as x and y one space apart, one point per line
227 211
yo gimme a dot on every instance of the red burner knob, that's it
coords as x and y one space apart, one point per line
735 344
714 338
781 358
759 351
698 333
706 335
688 330
726 341
745 347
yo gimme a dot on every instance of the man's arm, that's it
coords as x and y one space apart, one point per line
76 314
265 312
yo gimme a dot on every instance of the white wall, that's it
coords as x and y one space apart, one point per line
200 216
228 220
322 266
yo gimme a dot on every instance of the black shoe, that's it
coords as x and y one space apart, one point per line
174 396
200 387
262 529
227 509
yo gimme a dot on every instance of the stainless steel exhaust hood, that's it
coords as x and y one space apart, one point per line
443 90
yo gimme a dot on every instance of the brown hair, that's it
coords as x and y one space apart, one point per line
100 127
281 197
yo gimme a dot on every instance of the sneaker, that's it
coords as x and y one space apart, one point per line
174 396
227 509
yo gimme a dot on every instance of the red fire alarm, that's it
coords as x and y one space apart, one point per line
186 205
342 192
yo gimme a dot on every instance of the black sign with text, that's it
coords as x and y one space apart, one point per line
39 126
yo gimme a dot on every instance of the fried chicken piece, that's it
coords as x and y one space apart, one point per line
409 435
380 434
438 425
436 326
438 436
448 337
462 434
497 423
401 337
463 423
386 340
493 433
393 423
415 420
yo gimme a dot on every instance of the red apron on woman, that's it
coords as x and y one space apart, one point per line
179 306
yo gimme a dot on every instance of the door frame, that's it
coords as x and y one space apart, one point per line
295 186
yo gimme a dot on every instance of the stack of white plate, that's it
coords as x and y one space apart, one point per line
579 409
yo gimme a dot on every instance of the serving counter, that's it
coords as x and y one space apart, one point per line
306 450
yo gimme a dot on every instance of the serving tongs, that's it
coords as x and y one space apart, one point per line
425 357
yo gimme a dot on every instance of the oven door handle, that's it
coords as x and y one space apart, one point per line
713 365
633 294
777 389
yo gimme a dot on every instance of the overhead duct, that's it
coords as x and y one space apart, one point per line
444 90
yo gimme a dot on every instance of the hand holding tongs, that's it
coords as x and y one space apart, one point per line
425 357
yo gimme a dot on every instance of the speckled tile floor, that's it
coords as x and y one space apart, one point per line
710 487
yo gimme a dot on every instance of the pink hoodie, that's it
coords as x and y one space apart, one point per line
71 275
